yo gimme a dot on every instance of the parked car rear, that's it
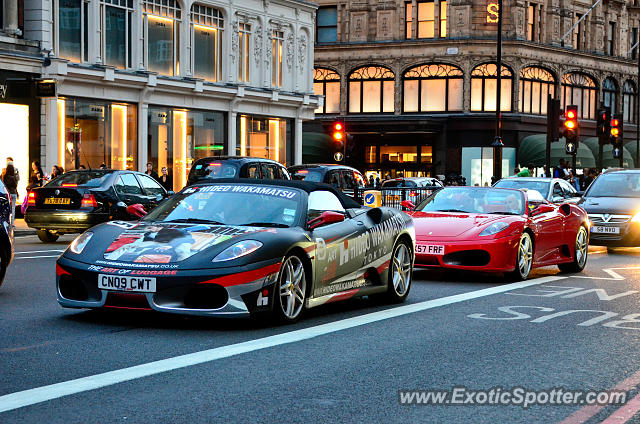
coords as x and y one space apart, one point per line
213 168
345 178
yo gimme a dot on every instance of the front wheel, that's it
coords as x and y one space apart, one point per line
580 253
290 290
47 236
400 273
524 258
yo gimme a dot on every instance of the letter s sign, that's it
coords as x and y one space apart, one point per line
493 13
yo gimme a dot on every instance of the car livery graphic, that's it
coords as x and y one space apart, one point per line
238 248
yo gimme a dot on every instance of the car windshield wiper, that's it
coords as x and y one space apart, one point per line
265 224
197 221
450 210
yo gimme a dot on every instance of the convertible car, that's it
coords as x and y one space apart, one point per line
241 247
499 230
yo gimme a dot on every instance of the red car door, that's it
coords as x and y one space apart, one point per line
549 230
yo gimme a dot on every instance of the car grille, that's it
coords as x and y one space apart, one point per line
598 218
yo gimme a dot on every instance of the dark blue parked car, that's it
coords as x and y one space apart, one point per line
6 231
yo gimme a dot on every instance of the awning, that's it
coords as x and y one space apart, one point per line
608 161
533 150
317 148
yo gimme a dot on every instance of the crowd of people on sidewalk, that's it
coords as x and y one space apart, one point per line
563 171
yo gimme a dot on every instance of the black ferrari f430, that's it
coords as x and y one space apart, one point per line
239 248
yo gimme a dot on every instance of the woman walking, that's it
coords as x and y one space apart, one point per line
10 181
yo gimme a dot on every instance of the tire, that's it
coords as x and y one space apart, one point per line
581 251
400 273
47 236
524 258
291 290
3 266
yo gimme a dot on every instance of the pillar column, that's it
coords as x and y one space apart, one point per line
11 17
143 131
297 149
231 136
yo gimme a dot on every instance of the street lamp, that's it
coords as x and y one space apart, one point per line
497 141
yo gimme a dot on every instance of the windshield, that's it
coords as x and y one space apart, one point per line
475 200
224 204
541 187
213 169
80 178
314 175
615 185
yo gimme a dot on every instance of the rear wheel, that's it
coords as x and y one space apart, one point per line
290 290
47 236
400 273
580 253
3 265
524 259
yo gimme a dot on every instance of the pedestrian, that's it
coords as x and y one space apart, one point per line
82 167
532 169
524 173
10 182
56 171
559 171
103 166
37 175
377 181
371 181
10 162
165 179
516 171
150 172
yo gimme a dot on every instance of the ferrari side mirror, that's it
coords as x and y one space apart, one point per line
408 204
136 211
543 208
326 217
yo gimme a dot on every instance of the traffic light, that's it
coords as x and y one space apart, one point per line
571 129
603 125
616 135
338 133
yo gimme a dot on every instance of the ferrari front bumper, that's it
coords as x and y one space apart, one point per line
231 291
490 255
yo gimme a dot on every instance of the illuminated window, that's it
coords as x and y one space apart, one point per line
398 154
534 12
371 90
484 87
629 102
73 30
432 88
276 58
609 94
426 19
408 19
262 138
578 33
244 35
443 19
162 27
431 18
116 32
535 85
206 54
579 89
327 83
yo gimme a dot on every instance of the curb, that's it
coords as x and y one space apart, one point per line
23 233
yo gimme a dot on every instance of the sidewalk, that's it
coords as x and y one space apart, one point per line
22 229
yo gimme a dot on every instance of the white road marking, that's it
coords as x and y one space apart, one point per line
66 388
613 275
25 252
35 257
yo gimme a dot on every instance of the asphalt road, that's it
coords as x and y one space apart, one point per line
342 363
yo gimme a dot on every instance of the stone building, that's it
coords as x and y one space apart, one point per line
415 81
170 81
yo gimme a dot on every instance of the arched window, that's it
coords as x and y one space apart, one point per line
579 89
484 85
371 90
162 26
535 85
432 88
115 37
326 82
609 93
206 33
629 102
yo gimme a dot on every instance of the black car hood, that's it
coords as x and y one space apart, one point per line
611 205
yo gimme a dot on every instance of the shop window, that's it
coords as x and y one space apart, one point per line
327 24
244 36
371 90
179 137
162 29
579 89
115 40
276 57
629 102
263 138
14 140
73 30
535 85
609 94
484 87
433 88
371 154
477 164
206 32
326 82
398 154
91 133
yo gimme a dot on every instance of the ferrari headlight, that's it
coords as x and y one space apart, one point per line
636 217
494 228
239 249
78 245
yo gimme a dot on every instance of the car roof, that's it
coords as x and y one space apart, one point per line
547 179
238 159
323 165
306 186
624 171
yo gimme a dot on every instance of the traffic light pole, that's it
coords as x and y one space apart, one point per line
638 115
497 142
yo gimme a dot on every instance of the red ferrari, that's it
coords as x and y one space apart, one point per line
499 230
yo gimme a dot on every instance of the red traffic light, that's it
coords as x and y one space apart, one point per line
337 126
571 114
338 136
338 132
615 122
570 124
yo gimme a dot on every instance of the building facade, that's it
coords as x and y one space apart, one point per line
415 81
170 81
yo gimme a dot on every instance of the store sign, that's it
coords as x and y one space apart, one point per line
3 91
46 88
493 13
